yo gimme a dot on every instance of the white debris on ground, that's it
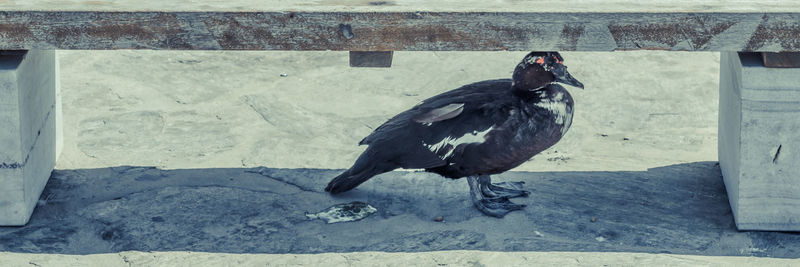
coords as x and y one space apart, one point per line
346 212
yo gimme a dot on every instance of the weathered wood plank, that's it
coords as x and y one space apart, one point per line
394 31
523 6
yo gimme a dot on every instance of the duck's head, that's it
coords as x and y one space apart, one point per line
538 69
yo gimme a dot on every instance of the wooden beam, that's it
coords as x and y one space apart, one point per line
781 60
520 6
399 31
570 25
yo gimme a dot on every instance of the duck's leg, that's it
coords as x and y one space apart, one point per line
503 189
492 205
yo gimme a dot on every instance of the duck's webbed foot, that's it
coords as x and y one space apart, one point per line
503 189
492 199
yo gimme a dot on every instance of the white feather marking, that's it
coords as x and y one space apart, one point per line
567 123
559 109
559 96
452 143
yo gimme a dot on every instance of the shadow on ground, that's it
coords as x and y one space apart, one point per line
678 209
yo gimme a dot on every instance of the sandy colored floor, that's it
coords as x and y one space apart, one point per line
178 109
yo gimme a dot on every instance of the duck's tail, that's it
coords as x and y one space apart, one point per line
348 180
362 170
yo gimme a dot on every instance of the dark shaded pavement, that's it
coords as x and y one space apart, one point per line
679 209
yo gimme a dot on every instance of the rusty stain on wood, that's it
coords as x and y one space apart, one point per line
782 33
571 34
398 31
692 30
15 32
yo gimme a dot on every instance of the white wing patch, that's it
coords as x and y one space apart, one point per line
451 143
559 96
559 109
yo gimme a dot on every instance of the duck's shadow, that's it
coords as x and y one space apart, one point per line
673 209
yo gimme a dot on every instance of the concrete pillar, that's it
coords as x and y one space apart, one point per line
27 130
759 142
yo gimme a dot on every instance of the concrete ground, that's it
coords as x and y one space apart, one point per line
677 209
217 152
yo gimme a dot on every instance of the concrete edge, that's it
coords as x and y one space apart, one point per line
36 74
729 127
58 108
436 258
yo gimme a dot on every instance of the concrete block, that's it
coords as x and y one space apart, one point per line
759 142
28 137
58 117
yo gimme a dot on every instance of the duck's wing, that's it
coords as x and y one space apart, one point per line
445 106
424 136
439 114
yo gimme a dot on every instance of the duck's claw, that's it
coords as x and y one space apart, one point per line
508 189
504 189
497 207
492 199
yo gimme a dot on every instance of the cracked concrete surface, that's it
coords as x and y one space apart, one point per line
677 209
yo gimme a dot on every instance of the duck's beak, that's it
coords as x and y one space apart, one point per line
563 76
